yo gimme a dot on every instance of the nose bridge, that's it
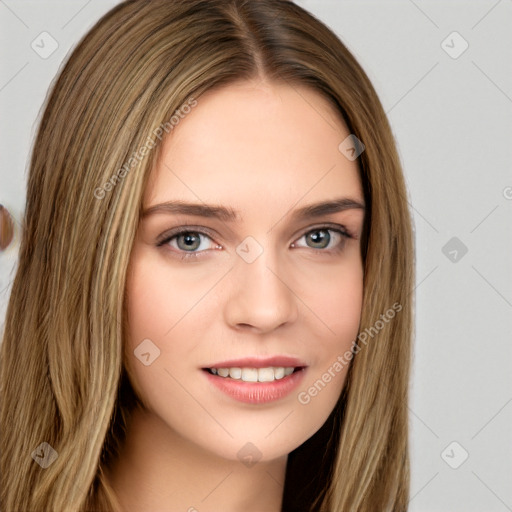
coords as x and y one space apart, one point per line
261 296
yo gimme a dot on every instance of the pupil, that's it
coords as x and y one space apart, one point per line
317 239
189 240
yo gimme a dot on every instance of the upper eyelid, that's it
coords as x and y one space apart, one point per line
185 228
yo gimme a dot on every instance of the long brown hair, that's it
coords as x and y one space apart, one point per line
62 376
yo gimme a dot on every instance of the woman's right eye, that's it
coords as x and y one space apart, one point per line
184 241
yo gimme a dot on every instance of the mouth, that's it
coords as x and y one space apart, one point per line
256 380
251 374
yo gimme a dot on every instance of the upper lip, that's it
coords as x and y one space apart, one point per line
259 362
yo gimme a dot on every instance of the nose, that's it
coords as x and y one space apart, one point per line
262 297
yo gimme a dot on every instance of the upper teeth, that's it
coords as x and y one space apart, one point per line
254 374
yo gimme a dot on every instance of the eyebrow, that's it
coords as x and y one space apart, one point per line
229 215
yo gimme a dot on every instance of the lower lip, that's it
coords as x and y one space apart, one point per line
257 392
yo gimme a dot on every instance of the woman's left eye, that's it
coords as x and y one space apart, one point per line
187 242
321 237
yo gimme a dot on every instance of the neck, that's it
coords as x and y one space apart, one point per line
158 469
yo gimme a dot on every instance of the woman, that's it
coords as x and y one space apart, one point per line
264 369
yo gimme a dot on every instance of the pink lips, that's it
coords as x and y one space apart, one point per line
258 392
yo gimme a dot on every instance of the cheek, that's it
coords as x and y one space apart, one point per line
336 312
341 304
159 298
332 302
153 308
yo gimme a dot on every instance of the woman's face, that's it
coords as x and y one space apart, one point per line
263 289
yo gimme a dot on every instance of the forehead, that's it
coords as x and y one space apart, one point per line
255 145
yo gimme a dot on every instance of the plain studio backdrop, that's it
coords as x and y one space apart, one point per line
442 72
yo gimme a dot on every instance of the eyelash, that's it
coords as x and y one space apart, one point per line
167 237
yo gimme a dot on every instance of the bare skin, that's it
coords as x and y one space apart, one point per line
264 150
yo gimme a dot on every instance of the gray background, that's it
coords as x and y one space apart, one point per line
452 117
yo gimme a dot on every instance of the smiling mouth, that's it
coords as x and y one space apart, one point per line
268 374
